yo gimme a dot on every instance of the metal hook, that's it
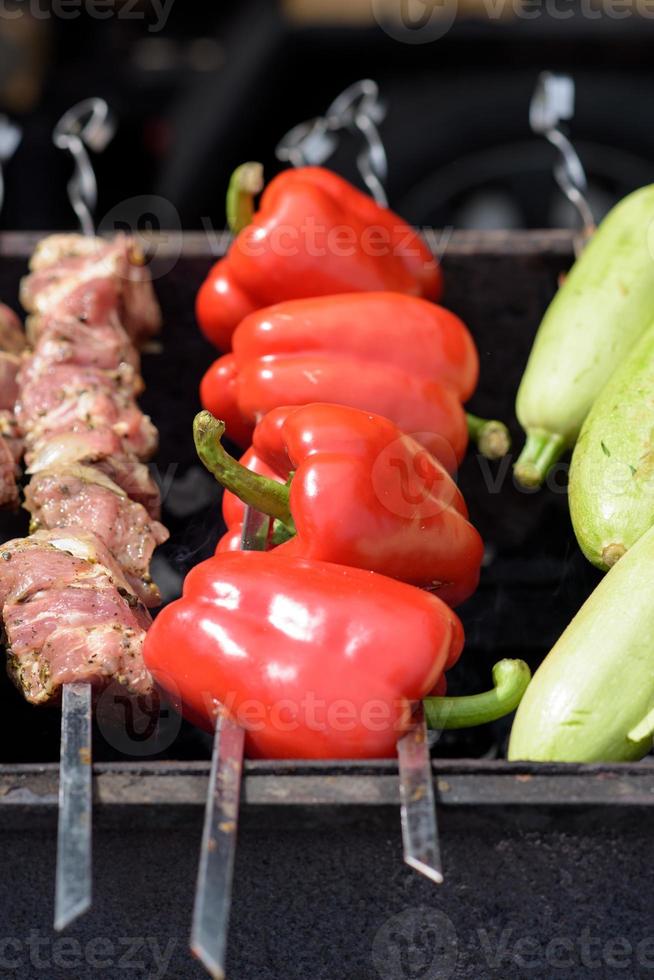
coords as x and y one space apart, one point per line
87 124
360 109
10 137
307 144
357 109
553 101
372 161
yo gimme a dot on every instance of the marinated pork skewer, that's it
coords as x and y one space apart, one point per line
85 436
77 493
85 124
69 615
92 280
103 450
81 496
12 342
85 442
70 621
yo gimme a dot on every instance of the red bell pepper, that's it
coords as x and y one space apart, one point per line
361 493
315 661
313 235
398 356
423 339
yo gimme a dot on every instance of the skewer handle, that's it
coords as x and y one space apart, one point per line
86 125
73 889
552 104
358 109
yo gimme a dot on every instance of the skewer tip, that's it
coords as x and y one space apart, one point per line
213 968
66 916
428 870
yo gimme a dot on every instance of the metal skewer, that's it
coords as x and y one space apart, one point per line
552 103
214 890
417 805
87 124
213 894
359 109
73 882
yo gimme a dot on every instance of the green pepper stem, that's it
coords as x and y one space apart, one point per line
244 184
259 492
510 680
280 533
541 451
491 437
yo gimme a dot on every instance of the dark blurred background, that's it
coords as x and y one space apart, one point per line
199 87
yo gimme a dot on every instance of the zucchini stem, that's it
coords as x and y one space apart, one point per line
541 451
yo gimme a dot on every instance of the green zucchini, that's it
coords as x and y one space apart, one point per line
611 487
592 698
603 307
